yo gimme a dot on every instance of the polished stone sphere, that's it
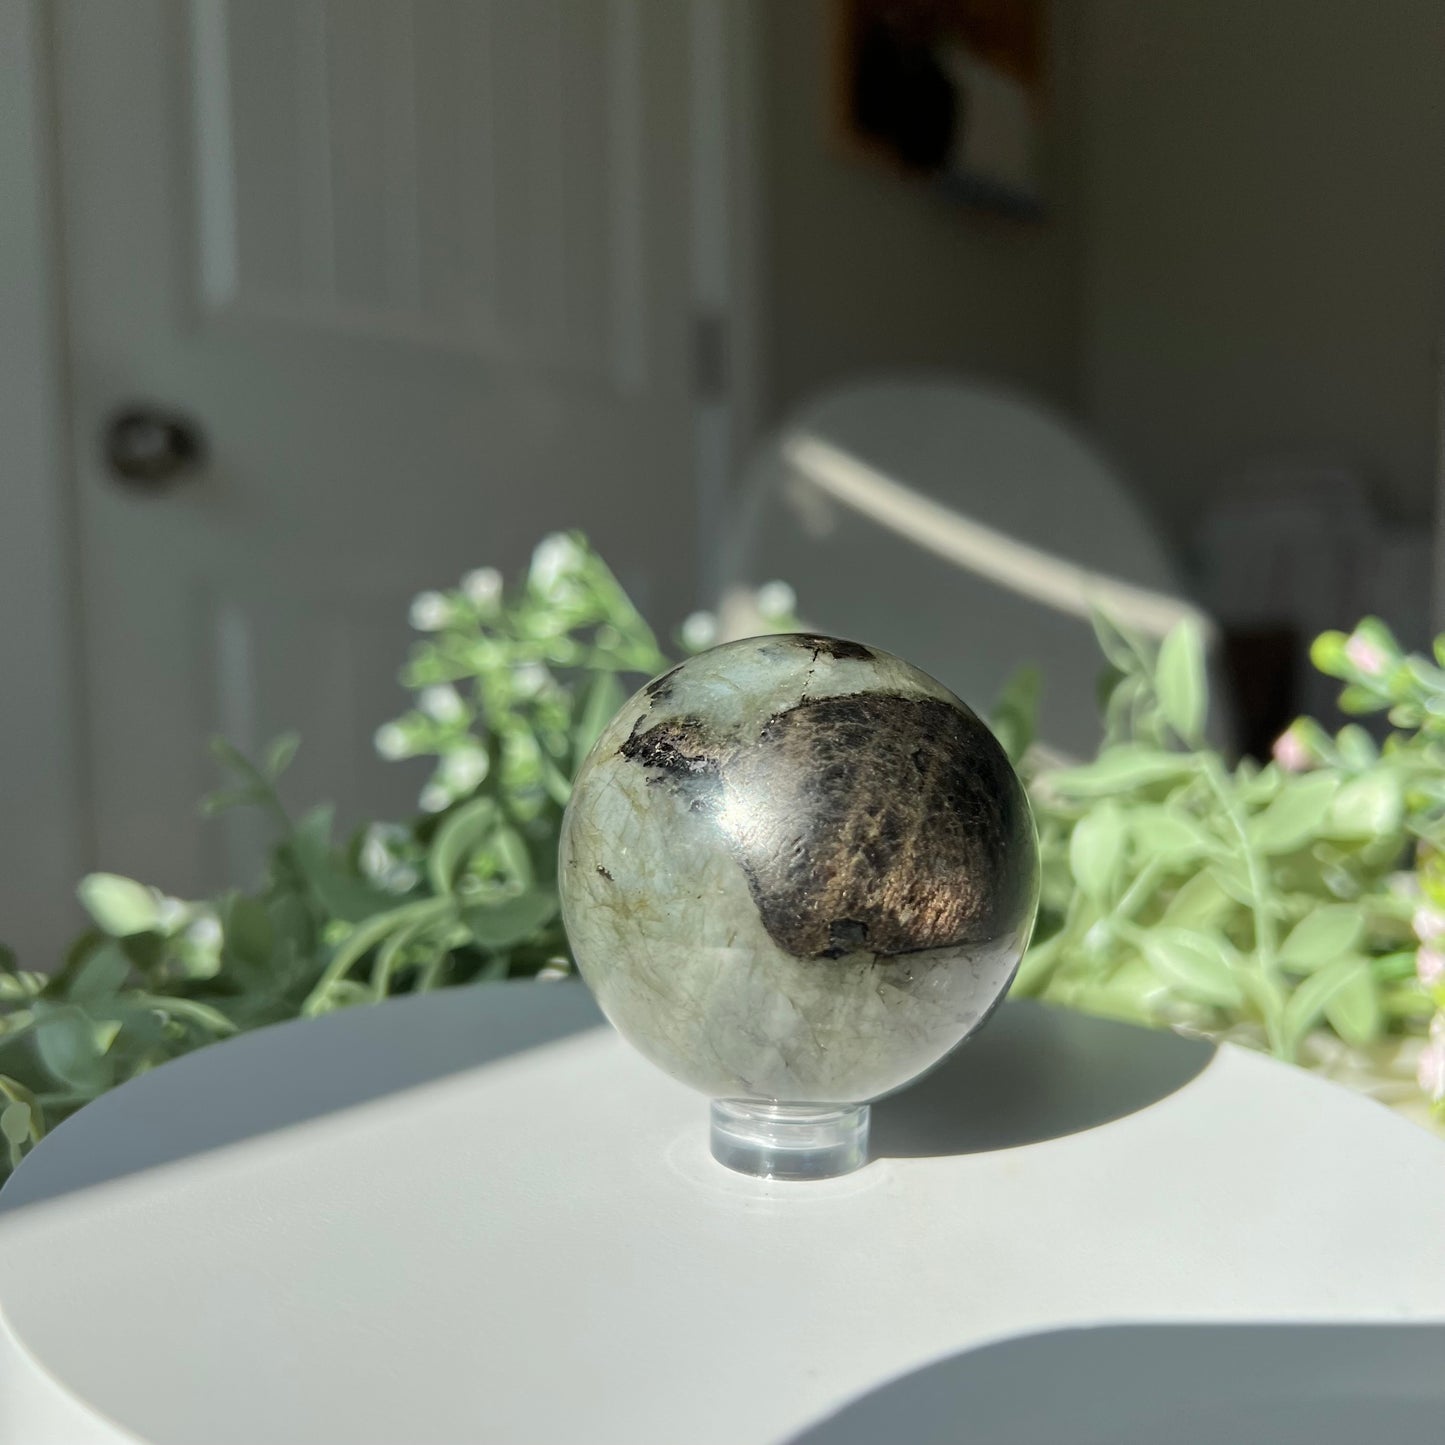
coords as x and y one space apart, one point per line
797 869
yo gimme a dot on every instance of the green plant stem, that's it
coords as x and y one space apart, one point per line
1265 941
1139 890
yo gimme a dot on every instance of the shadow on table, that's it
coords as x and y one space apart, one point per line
1034 1073
1220 1384
251 1085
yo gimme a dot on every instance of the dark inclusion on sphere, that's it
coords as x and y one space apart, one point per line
870 822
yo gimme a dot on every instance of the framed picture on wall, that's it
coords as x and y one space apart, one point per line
952 91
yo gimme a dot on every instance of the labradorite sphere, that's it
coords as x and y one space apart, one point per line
797 869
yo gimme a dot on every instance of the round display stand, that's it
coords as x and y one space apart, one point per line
478 1215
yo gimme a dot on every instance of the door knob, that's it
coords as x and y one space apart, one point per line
147 446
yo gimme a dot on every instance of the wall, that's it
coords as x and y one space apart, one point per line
1264 239
866 270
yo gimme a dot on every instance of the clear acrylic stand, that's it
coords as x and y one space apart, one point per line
789 1141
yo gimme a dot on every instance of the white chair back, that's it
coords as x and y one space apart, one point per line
961 526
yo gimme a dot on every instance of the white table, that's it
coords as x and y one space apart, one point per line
478 1216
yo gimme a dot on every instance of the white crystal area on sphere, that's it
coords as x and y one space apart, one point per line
797 869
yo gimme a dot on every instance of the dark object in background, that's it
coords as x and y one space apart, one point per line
951 91
903 98
1262 664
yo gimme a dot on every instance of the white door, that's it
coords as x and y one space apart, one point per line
420 274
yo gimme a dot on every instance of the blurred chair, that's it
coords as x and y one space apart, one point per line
1290 545
968 529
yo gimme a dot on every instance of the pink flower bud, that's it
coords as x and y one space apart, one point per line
1429 966
1290 752
1431 1070
1365 655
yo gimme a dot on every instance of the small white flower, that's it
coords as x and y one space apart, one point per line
430 612
483 586
443 702
170 913
400 878
435 797
556 557
1431 1069
1428 923
391 741
554 968
375 857
530 678
699 631
205 932
463 769
776 599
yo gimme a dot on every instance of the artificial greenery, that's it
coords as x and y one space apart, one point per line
1278 905
1274 905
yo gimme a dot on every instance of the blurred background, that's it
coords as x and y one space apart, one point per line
960 316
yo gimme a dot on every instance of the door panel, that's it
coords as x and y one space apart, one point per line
419 272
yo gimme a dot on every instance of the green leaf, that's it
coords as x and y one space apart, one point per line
1129 765
188 1010
16 1092
1038 966
388 956
341 894
459 836
100 976
15 1122
280 754
1327 652
1096 850
1016 711
513 854
1392 967
291 924
1124 649
1268 998
510 921
1179 680
1357 748
370 933
215 803
1171 835
1366 807
1354 1010
556 782
1121 705
604 697
119 905
1232 876
1322 936
73 1048
246 930
1200 966
232 758
1295 816
1359 700
1336 990
1199 903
